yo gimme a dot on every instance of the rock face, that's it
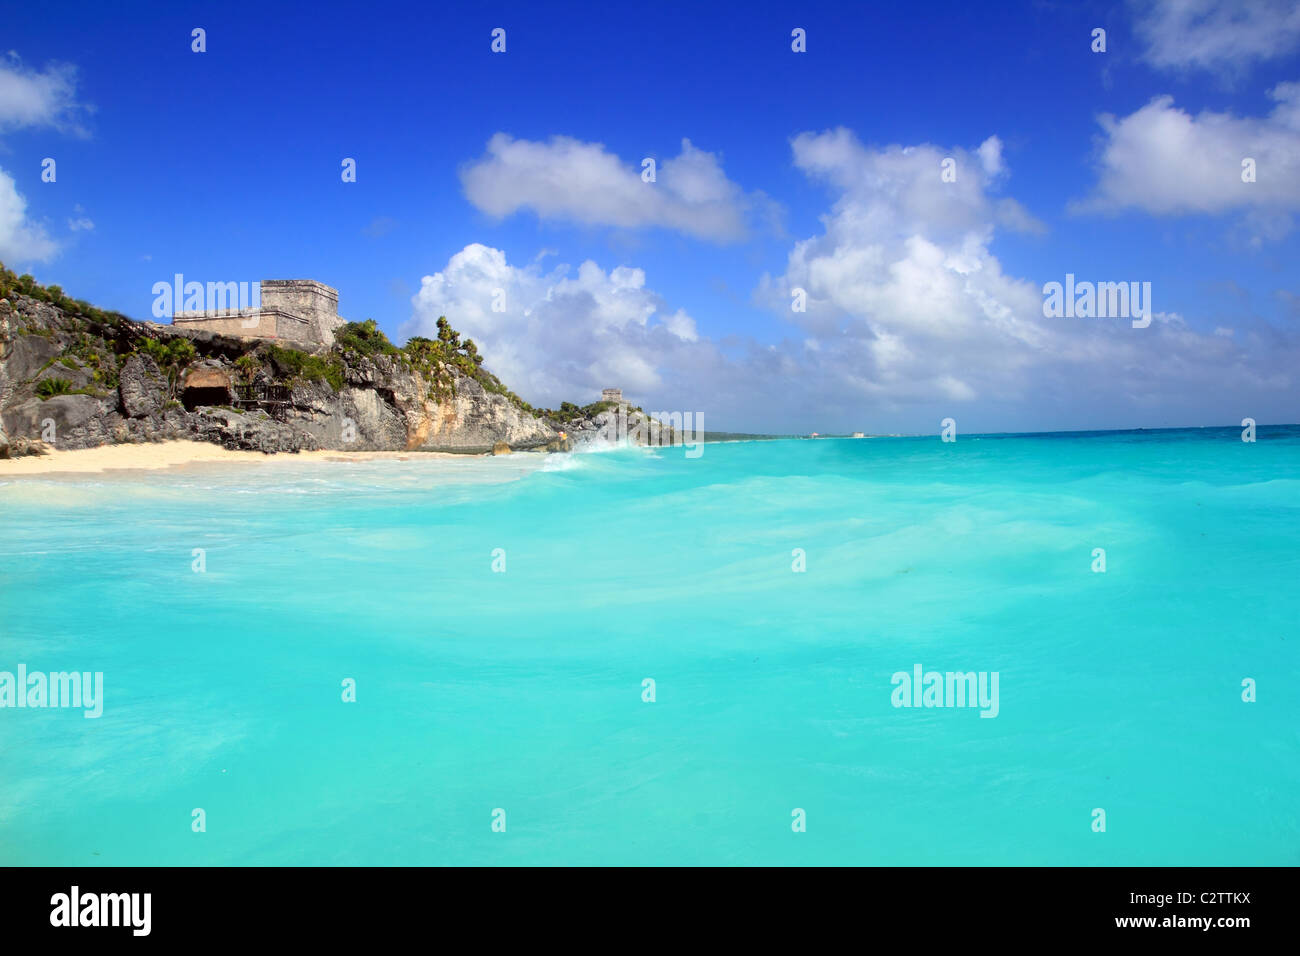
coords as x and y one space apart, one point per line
23 446
114 390
475 420
252 431
142 388
385 406
65 421
617 425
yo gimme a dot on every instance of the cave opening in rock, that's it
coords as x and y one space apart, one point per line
206 386
193 397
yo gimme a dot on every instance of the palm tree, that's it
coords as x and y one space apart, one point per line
172 358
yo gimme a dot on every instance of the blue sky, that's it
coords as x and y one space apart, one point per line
481 171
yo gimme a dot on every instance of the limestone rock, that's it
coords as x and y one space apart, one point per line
28 355
6 328
77 376
142 386
501 448
254 431
75 421
474 420
20 447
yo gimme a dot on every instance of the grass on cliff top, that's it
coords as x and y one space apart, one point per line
364 338
26 285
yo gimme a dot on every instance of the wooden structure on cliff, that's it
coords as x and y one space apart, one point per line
275 399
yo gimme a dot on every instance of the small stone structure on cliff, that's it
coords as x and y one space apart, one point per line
611 395
300 311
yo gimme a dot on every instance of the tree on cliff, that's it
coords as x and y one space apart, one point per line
172 358
447 334
472 351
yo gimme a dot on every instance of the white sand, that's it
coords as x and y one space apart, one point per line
174 454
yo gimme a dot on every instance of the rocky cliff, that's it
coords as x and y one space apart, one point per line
74 377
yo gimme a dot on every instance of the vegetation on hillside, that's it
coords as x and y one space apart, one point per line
438 360
172 357
53 294
90 353
291 366
568 412
49 387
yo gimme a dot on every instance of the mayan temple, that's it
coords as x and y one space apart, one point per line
302 311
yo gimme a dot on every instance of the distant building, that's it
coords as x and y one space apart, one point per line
300 311
611 395
815 435
858 435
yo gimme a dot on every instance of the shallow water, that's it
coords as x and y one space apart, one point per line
522 690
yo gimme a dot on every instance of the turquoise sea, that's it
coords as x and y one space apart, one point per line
522 690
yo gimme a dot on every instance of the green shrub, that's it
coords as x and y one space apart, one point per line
569 412
173 357
440 360
364 338
94 354
49 387
247 366
295 366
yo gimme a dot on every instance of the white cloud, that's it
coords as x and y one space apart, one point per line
990 154
912 310
80 224
902 282
568 179
560 337
1166 161
31 98
21 240
1216 35
34 98
907 182
682 325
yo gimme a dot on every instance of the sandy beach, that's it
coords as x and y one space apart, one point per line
178 454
